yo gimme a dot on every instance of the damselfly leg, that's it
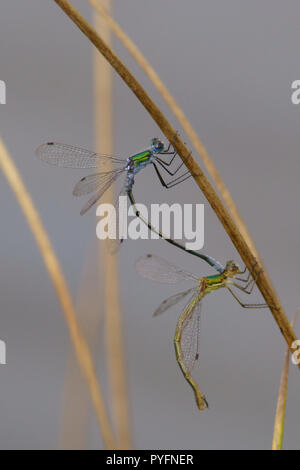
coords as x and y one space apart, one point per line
246 289
175 181
246 305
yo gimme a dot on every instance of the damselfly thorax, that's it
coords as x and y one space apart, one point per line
136 163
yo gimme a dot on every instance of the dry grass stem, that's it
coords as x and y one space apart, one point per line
281 401
108 264
53 267
77 407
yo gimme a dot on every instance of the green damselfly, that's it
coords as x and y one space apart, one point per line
75 157
186 339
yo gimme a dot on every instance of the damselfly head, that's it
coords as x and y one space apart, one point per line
157 145
231 267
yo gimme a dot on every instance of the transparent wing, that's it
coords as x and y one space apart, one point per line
94 182
69 156
173 300
189 338
95 198
157 269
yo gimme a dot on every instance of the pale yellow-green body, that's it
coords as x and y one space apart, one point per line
206 285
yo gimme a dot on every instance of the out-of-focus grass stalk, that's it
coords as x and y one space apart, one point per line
77 409
54 270
108 264
99 6
281 401
263 281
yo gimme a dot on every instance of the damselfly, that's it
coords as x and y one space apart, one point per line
186 339
74 157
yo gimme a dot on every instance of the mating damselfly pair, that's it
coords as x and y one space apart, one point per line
186 338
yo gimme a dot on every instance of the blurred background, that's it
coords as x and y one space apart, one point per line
230 66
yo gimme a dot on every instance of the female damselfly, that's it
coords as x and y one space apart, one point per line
186 339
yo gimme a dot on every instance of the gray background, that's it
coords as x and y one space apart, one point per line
230 65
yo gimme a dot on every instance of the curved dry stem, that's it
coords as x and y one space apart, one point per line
263 281
54 270
179 114
281 401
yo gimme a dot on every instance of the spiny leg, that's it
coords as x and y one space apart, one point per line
242 279
184 177
250 270
178 180
244 271
246 305
164 184
247 289
163 163
174 173
174 153
174 182
167 151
